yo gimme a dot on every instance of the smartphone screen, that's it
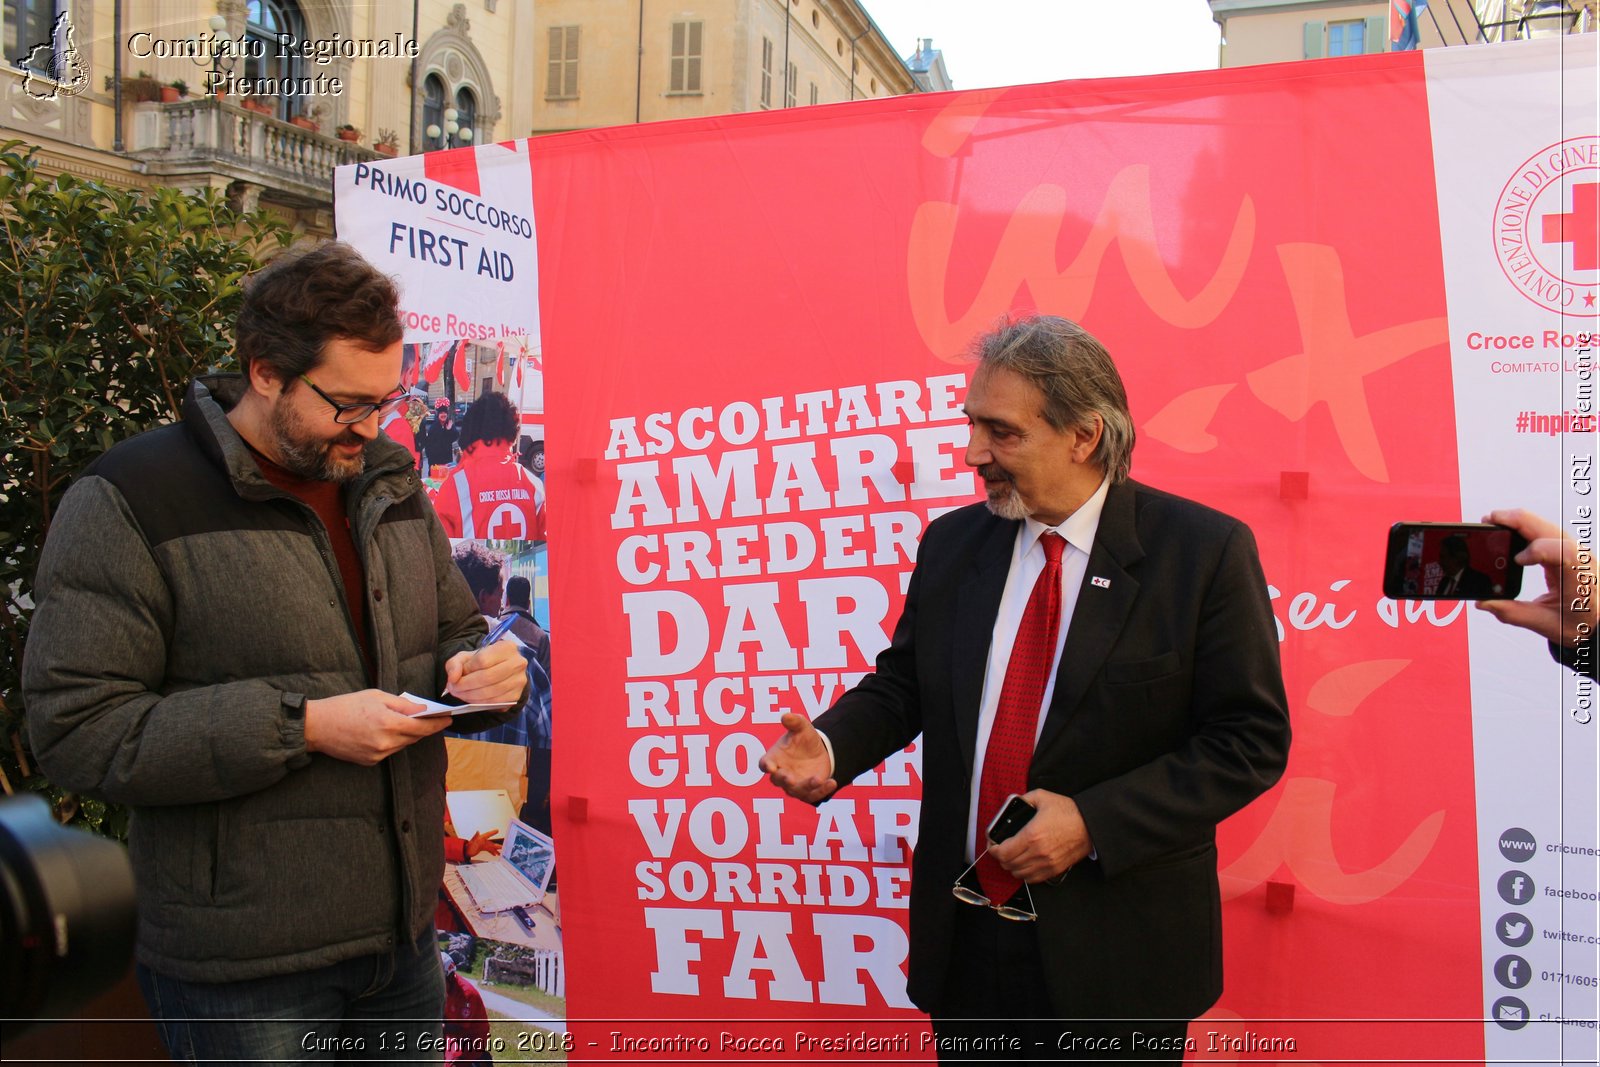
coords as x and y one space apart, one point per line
1452 561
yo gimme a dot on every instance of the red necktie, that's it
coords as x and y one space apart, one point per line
1005 762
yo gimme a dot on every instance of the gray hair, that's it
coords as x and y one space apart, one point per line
1074 372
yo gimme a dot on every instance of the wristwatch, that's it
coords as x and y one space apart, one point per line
294 705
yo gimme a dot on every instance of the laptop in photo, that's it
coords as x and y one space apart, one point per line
515 878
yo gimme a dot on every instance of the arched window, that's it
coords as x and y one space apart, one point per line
466 118
456 94
432 113
266 21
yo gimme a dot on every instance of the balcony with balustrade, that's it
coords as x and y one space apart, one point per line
214 141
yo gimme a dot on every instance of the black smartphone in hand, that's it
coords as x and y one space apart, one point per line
1452 561
1013 816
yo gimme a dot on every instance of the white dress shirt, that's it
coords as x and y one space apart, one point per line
1027 562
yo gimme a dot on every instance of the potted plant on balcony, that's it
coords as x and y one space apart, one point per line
257 104
304 121
387 144
174 91
142 88
348 132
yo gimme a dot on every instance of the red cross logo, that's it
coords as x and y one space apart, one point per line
508 524
1579 227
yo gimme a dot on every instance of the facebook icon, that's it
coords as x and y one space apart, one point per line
1516 887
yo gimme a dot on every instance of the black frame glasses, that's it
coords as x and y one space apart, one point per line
968 895
350 414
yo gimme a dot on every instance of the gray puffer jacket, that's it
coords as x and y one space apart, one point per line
180 597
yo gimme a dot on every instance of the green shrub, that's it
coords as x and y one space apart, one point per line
110 301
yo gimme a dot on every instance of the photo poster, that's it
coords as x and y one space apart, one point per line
459 239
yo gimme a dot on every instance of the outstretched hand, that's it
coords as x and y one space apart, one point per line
798 762
482 842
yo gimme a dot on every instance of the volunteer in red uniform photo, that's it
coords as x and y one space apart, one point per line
489 495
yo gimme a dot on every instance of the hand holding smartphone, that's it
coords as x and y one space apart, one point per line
1012 816
1452 561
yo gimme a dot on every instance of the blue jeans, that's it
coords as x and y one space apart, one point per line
387 1006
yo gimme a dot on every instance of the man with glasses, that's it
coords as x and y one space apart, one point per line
228 609
1106 652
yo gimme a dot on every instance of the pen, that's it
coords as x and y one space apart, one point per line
501 628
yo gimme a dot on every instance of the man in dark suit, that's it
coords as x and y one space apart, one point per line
1153 709
1460 580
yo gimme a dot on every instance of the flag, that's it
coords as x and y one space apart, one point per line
459 368
433 361
1403 14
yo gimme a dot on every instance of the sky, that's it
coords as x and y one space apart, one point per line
1015 42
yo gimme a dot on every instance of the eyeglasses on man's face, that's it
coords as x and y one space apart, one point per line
347 414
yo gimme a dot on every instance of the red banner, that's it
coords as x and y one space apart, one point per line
780 303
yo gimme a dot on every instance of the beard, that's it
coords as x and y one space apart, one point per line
1002 497
307 456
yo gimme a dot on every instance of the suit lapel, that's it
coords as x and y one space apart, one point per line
978 603
1101 610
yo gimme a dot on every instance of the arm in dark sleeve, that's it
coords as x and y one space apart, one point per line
93 675
1580 657
883 713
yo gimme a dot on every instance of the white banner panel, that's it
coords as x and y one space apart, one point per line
1518 170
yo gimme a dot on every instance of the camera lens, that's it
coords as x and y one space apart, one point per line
66 915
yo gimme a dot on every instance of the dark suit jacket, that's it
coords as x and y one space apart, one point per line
1581 657
1474 585
1168 715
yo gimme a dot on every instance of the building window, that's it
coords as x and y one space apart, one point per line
266 23
816 20
432 113
791 87
686 38
1347 38
813 92
466 119
30 35
562 76
766 72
